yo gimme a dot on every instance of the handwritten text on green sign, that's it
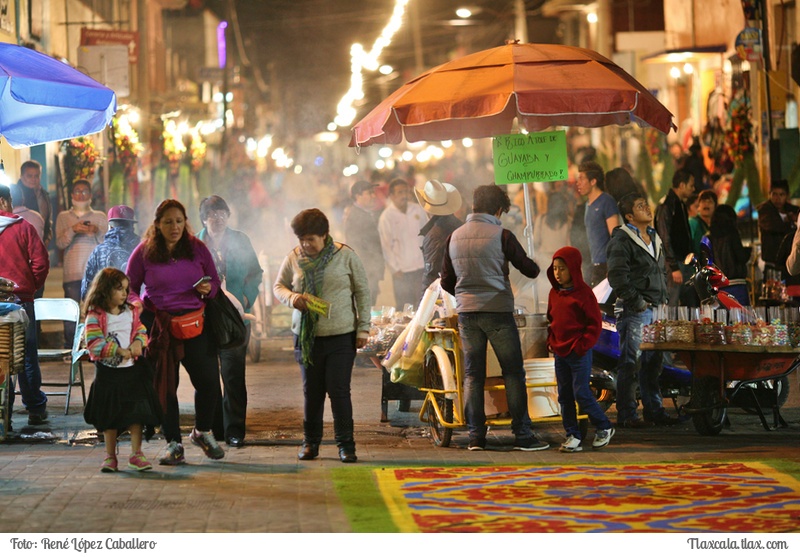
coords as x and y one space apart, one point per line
533 157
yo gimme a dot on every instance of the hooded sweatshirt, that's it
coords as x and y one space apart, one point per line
24 258
573 313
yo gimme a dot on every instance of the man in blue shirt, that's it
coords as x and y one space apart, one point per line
600 219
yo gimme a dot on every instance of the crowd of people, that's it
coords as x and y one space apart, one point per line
143 297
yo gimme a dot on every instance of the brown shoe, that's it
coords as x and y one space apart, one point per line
636 423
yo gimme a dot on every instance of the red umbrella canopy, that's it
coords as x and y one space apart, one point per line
541 85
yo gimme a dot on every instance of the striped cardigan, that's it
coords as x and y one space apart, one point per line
96 342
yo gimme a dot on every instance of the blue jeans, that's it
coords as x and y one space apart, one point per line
572 375
30 380
475 328
633 364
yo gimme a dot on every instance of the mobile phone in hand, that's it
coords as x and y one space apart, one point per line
201 281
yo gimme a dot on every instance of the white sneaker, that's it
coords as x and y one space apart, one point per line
571 445
602 437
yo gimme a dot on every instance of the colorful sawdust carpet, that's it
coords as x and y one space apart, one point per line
687 497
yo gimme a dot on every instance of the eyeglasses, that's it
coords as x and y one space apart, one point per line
217 215
81 192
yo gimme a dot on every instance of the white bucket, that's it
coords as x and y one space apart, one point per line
542 401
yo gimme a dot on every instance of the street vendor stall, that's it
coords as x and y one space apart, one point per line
725 375
513 88
12 357
737 358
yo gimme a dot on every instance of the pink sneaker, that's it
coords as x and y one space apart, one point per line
137 461
109 464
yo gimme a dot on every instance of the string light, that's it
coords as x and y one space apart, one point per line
361 60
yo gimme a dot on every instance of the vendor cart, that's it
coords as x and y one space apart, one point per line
443 406
728 375
12 361
403 394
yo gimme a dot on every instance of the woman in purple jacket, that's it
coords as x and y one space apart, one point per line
178 274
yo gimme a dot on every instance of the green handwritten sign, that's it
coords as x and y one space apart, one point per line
533 157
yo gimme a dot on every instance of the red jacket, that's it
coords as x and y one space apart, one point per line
23 257
574 316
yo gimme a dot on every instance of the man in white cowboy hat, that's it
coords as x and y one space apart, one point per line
441 201
398 227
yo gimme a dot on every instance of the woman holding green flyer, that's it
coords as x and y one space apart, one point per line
325 282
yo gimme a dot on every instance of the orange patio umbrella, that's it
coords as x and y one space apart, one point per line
539 85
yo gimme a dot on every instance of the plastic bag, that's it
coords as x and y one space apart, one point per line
410 370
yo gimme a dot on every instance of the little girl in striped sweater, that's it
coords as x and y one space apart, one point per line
122 395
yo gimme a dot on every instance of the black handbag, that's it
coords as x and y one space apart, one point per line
224 322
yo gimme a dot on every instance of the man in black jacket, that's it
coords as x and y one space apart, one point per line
672 224
440 201
636 273
776 219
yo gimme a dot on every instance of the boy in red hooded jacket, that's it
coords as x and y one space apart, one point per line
575 325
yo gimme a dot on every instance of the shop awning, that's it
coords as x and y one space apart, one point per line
678 55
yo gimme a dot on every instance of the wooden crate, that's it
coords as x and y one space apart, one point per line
12 348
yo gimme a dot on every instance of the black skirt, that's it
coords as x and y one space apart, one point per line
122 396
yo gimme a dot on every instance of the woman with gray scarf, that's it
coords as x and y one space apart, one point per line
325 282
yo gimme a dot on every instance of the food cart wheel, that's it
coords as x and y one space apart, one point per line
766 393
5 407
706 394
440 434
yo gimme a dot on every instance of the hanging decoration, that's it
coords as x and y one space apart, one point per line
127 144
739 139
174 147
740 132
80 159
124 172
197 150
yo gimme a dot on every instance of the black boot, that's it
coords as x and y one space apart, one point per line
312 436
343 432
308 451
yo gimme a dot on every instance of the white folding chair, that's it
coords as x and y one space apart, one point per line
63 309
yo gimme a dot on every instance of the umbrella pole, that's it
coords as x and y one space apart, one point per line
529 237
